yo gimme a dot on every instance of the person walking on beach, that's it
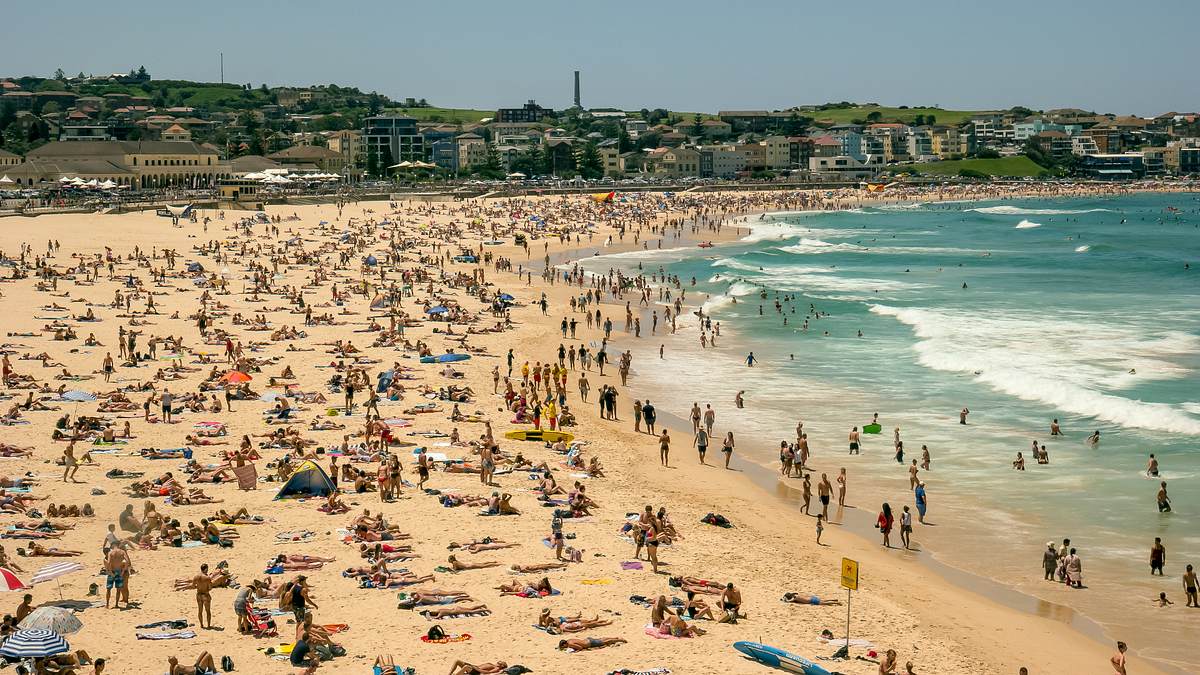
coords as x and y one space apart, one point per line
701 442
884 524
1190 587
203 584
824 490
1049 561
637 415
664 448
1073 566
695 416
1118 659
1158 557
820 528
905 527
727 447
841 481
649 416
710 417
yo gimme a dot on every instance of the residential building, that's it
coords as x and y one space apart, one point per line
1022 131
826 146
611 156
800 149
635 127
756 156
561 154
1183 157
920 145
471 151
673 162
1107 138
1155 160
347 143
310 158
240 166
138 164
508 130
724 161
85 132
393 137
176 134
709 129
1054 143
951 143
444 153
1111 166
778 154
673 139
530 112
845 167
1084 145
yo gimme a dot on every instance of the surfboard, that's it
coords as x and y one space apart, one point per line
445 358
543 435
872 428
778 658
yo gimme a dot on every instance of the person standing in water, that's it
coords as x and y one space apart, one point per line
962 415
1158 557
1190 587
750 360
1164 502
1056 430
1152 467
855 439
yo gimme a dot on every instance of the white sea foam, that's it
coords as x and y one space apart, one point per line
1073 364
1083 249
655 254
1018 211
807 246
1027 225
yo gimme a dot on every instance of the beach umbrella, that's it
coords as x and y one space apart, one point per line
270 397
78 396
55 570
51 618
9 581
34 643
506 297
235 377
6 180
437 310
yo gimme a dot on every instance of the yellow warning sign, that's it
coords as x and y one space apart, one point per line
850 574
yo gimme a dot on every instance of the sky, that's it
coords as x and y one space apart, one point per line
1102 55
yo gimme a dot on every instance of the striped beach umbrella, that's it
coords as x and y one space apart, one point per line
55 570
9 581
78 396
34 643
52 618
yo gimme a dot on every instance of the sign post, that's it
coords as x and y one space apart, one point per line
850 583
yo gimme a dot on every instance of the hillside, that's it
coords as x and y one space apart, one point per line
890 114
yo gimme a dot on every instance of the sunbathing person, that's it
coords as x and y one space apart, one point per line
539 567
242 517
37 550
456 610
520 588
204 666
696 585
569 624
579 645
487 544
281 564
433 597
217 475
802 599
458 566
677 627
464 668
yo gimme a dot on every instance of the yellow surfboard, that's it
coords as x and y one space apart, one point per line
542 436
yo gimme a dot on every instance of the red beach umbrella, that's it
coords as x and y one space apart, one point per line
236 377
9 581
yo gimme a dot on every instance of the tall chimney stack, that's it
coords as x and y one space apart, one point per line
577 90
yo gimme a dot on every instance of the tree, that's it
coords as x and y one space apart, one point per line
589 163
60 75
372 161
874 116
491 169
988 153
930 120
386 160
51 108
697 126
919 121
624 142
256 146
142 74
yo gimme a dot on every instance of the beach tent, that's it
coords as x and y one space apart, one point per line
309 480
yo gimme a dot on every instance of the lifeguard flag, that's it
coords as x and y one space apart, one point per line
603 197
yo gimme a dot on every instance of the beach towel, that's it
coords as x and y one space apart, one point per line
446 640
171 635
651 671
595 582
177 624
247 476
631 565
277 649
539 594
657 633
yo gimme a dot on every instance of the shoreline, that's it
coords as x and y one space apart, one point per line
1012 596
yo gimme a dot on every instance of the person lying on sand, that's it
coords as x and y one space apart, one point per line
464 668
487 544
459 566
538 567
521 588
569 624
204 666
803 599
456 610
584 644
433 596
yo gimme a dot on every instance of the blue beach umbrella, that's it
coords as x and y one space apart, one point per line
437 310
34 643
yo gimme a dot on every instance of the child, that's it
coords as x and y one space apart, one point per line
820 528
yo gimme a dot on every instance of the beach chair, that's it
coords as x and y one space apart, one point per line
261 623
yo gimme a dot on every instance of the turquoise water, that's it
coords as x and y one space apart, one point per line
1076 309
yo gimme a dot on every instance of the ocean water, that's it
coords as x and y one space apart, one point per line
1022 311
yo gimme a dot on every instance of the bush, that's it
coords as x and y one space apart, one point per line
972 173
988 153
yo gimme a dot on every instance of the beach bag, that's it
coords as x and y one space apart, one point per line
226 664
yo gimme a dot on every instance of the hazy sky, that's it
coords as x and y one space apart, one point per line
1103 55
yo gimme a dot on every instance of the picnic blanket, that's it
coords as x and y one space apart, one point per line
169 635
446 640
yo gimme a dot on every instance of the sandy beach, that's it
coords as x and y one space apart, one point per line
902 605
